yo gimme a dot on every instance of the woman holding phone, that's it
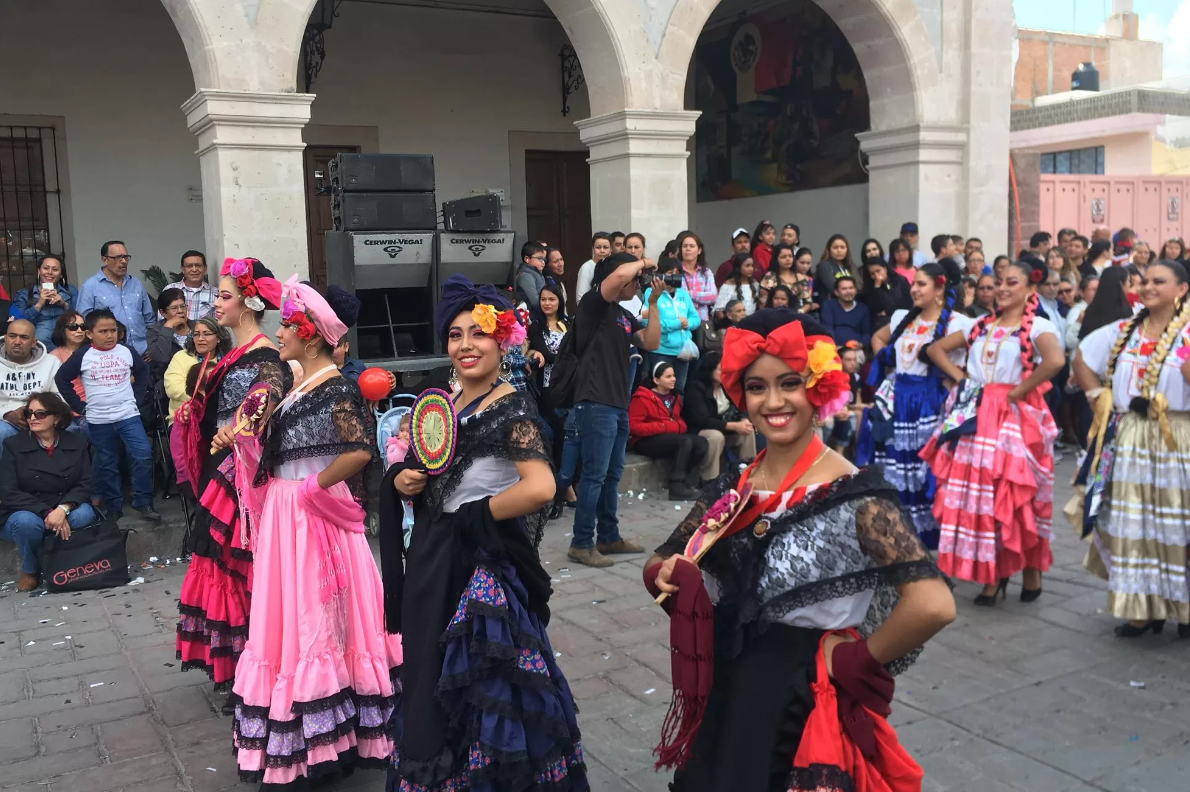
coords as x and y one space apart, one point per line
46 299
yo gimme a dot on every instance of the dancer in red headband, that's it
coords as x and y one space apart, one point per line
811 590
214 600
993 453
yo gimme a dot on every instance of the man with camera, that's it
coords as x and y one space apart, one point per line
605 333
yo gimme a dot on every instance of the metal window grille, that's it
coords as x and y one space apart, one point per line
30 202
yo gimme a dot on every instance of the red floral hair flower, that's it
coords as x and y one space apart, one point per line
829 387
940 281
1035 276
302 325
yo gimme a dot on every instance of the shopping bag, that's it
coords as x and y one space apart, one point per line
94 557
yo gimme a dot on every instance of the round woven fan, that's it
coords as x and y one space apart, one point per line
433 429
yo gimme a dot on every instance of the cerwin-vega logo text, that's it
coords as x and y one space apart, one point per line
65 576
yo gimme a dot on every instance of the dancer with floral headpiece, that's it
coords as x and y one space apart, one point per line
1137 471
483 704
993 453
909 401
214 599
811 591
315 685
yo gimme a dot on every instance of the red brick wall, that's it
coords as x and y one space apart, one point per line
1032 76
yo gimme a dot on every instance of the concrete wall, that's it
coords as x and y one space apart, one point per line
461 86
115 73
1047 60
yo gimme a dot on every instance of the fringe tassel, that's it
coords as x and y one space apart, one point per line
679 730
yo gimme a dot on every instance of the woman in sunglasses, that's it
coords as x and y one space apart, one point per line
69 334
45 482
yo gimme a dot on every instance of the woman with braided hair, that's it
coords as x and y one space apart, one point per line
1137 373
914 390
993 453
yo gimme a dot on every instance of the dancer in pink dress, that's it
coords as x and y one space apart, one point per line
315 684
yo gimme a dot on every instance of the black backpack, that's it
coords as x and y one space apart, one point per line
564 374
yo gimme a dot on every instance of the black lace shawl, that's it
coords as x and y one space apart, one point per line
860 540
509 428
329 420
262 364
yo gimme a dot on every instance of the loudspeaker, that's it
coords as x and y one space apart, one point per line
373 211
479 213
382 173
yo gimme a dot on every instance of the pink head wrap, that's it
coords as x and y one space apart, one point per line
253 279
297 297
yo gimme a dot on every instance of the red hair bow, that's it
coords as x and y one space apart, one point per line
742 348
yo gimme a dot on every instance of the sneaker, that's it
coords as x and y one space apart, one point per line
619 547
148 512
680 491
588 556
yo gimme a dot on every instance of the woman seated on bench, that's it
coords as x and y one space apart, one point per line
45 482
656 430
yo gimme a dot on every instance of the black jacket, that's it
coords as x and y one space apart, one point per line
699 408
32 480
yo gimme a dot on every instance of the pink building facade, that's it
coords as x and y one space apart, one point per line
1153 206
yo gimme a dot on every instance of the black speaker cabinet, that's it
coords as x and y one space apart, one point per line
479 213
383 211
382 173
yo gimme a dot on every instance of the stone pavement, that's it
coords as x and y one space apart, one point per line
1035 698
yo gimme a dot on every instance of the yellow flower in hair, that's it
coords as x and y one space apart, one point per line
485 317
823 358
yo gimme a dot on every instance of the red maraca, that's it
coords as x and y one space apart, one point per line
375 384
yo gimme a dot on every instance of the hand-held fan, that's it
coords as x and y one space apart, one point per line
251 411
715 524
433 429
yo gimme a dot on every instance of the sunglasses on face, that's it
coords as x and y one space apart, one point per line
38 414
74 326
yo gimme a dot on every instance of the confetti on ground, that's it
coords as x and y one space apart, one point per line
650 691
97 684
60 643
1136 684
44 621
152 559
136 582
59 624
212 770
557 654
607 656
598 602
30 643
65 607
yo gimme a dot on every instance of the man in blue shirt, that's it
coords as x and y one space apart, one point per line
113 288
844 318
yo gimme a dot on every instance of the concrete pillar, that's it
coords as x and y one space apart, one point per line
638 171
987 88
253 189
916 174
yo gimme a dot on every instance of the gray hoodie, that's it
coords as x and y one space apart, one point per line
18 381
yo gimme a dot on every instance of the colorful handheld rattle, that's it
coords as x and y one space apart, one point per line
715 524
433 429
250 411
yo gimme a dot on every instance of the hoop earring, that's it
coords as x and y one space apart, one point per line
308 355
240 321
453 382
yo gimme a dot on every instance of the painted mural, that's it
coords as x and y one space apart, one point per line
782 97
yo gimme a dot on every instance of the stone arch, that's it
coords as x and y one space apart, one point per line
595 29
898 78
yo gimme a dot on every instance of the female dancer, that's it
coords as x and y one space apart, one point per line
917 389
820 550
213 602
483 705
315 683
1141 368
995 487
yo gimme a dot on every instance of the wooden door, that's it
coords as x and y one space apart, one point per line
318 206
558 206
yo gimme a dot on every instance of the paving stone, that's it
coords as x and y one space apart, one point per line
196 759
184 705
76 667
642 684
13 687
42 768
118 775
69 740
216 727
131 737
98 713
18 740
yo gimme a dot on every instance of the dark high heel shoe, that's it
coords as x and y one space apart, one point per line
1030 595
1127 630
988 600
1184 631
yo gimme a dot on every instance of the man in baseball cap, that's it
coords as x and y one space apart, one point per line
741 242
909 236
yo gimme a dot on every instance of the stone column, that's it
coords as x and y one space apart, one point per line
916 174
638 172
253 188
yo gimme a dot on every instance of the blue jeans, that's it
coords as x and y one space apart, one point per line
603 431
107 438
26 530
570 449
7 430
